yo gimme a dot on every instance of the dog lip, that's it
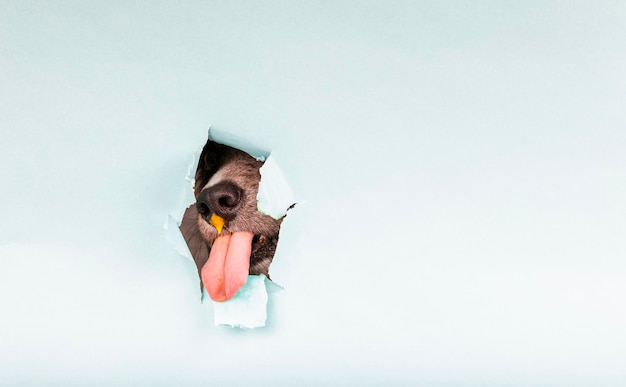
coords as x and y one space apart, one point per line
262 242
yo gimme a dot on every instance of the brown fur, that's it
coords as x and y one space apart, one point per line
220 163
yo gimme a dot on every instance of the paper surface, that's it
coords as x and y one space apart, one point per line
463 165
248 309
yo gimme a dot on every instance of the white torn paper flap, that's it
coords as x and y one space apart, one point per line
226 138
248 309
274 196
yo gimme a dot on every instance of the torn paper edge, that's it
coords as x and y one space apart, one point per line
248 309
225 138
274 197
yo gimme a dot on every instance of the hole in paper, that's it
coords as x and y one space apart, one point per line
232 230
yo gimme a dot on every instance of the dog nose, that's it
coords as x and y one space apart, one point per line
221 199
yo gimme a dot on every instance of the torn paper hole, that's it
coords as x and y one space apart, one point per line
232 227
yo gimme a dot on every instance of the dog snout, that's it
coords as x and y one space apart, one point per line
222 199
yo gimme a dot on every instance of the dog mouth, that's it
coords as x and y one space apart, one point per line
227 269
229 263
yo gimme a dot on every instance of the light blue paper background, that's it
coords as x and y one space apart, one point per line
462 165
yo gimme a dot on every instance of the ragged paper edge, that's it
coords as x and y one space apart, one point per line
226 138
248 309
275 197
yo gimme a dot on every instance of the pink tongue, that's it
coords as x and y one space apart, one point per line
228 265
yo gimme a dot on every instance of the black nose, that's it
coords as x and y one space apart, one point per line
222 199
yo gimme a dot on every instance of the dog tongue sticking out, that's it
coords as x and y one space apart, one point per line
229 263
